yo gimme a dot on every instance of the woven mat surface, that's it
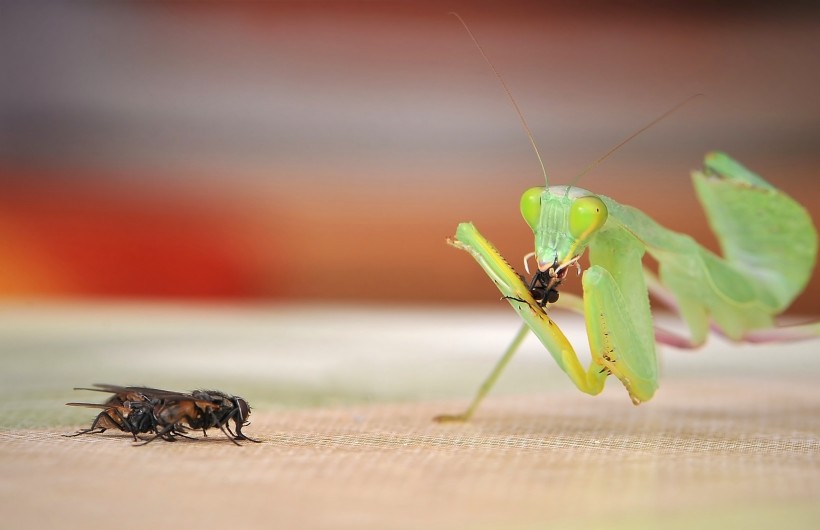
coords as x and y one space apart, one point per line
735 446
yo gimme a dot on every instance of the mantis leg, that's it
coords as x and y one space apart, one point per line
602 297
618 318
574 303
773 334
488 383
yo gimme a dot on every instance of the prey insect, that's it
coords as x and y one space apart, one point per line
769 247
167 414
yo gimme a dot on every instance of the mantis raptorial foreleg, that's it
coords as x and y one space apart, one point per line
618 346
575 304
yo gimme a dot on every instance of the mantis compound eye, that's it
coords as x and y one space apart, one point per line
531 206
586 215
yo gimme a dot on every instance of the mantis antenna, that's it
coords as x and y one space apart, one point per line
527 130
630 138
509 95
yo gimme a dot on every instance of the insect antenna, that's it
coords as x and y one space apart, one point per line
630 138
509 95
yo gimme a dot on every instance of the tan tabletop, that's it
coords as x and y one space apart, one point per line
342 404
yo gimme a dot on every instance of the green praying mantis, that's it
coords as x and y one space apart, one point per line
768 243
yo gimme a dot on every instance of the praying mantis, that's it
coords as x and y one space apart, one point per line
768 243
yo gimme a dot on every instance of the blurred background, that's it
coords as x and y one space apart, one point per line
323 151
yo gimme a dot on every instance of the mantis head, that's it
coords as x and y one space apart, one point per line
564 220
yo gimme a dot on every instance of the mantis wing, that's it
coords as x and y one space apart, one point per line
769 248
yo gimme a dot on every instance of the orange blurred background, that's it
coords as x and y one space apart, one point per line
324 151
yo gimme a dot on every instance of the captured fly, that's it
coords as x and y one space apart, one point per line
166 413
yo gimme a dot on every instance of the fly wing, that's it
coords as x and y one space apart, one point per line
114 389
121 394
157 393
97 405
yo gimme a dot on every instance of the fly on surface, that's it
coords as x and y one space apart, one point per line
166 414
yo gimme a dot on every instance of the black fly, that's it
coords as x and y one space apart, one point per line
166 413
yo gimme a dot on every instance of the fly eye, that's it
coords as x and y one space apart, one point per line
586 215
531 206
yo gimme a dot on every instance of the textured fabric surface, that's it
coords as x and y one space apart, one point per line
718 448
703 455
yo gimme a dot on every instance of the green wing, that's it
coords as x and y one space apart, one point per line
769 249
